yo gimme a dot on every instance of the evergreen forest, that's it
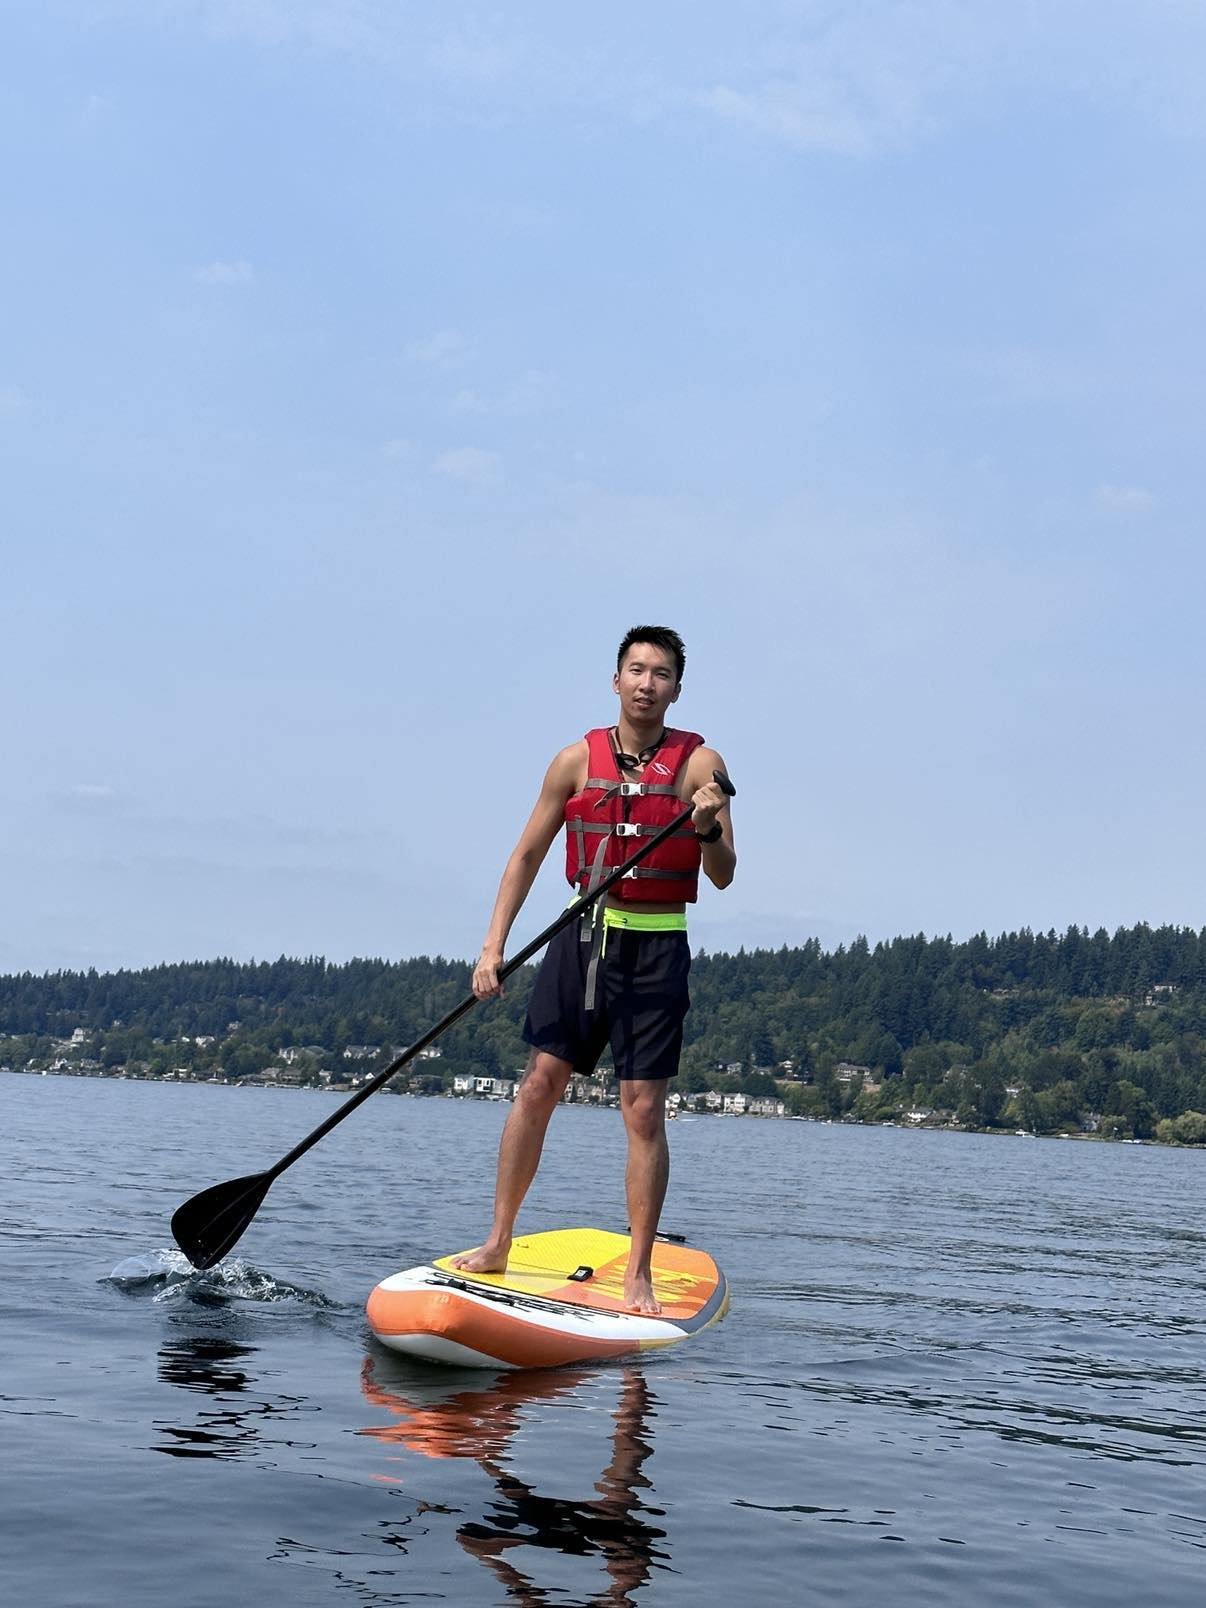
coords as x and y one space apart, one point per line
1076 1032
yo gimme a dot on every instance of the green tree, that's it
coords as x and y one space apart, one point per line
887 1056
1187 1129
1026 1109
1127 1100
1058 1105
241 1059
990 1100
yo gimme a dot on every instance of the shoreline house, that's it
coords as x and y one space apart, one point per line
851 1072
483 1088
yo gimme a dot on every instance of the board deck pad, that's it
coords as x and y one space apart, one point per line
684 1279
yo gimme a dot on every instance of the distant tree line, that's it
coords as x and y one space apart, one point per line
1043 1031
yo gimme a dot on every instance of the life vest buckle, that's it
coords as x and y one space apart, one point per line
632 789
627 829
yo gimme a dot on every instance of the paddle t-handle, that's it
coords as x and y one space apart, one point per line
722 781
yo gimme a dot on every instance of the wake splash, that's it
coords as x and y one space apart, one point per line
168 1275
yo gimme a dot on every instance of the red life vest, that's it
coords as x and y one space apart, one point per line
604 822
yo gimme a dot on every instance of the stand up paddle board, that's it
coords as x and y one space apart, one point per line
561 1299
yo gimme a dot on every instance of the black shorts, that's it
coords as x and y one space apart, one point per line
640 1001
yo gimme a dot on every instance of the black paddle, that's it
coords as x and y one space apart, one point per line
208 1224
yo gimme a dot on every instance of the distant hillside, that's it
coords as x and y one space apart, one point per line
1042 1031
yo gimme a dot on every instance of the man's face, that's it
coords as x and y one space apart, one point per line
647 682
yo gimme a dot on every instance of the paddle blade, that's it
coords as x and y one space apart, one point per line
208 1224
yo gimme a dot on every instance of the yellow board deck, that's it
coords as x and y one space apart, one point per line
684 1279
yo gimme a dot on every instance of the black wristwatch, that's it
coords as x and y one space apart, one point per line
710 836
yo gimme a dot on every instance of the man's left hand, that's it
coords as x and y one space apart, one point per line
708 801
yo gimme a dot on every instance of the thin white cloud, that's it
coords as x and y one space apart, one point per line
802 115
1029 374
471 464
852 81
1124 501
398 447
88 798
338 25
225 273
445 349
824 75
816 75
526 393
478 60
12 401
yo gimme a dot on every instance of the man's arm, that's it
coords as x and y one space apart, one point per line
711 805
560 781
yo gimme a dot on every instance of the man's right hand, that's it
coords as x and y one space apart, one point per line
485 975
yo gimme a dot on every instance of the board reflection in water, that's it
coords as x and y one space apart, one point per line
438 1419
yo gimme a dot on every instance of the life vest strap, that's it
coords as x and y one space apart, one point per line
639 871
627 829
610 788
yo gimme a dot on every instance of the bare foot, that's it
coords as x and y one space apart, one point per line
488 1258
639 1296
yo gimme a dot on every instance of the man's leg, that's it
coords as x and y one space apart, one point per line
543 1084
643 1102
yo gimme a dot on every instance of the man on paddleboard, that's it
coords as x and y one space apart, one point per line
619 976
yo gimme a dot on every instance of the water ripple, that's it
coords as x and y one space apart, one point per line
167 1275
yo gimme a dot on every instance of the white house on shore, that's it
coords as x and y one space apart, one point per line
465 1083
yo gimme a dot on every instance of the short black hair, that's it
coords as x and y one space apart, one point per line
658 636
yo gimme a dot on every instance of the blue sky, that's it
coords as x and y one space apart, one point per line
368 368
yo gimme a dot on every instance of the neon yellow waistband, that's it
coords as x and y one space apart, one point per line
645 920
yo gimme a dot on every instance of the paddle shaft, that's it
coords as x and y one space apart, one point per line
525 954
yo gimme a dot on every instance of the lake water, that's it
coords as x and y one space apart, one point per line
957 1370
